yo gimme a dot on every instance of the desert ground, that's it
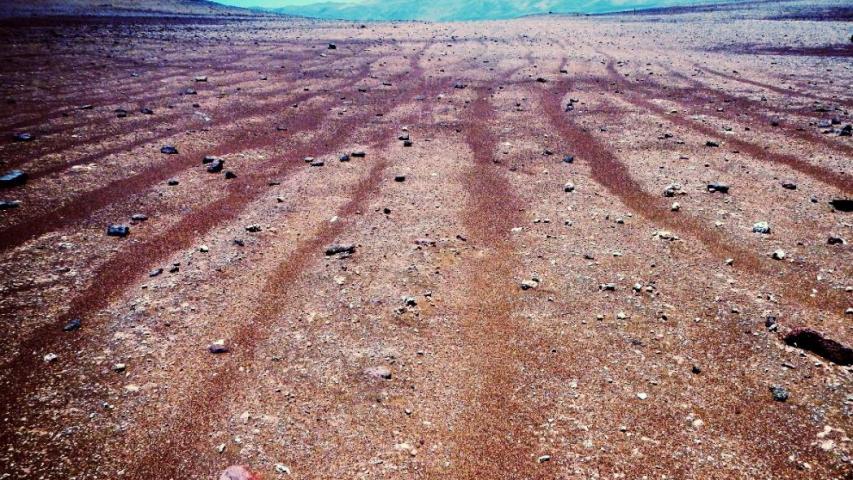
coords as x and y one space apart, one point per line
557 247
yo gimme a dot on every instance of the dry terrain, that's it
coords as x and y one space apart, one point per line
556 247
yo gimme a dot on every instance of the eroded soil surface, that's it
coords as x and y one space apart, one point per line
541 272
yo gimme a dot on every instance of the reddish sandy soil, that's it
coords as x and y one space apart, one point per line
666 375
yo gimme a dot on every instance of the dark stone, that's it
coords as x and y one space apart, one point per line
459 85
172 182
146 111
568 159
332 46
846 131
215 166
541 80
139 217
24 137
400 178
169 150
779 393
218 348
13 178
344 158
229 175
317 163
842 204
9 204
73 324
833 240
190 91
407 143
696 369
358 154
718 187
789 185
208 159
155 272
815 342
710 143
118 230
336 249
120 112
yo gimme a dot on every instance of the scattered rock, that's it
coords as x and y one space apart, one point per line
201 78
817 343
344 158
718 187
543 458
332 46
842 204
761 227
347 249
13 178
138 217
359 154
568 159
569 187
788 185
169 150
50 358
9 204
778 254
835 240
780 394
316 162
229 175
172 182
218 346
155 272
381 371
673 189
114 230
72 325
711 143
215 166
530 283
399 178
254 228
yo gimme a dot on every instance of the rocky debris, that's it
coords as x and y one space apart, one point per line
172 182
761 227
530 283
543 458
24 137
332 46
571 104
664 235
711 143
72 325
675 207
316 162
399 178
340 249
569 187
673 189
238 472
780 394
378 372
114 230
846 131
842 204
409 301
817 343
344 158
190 91
168 150
218 346
358 154
835 240
155 272
253 228
718 187
778 254
9 204
459 85
789 185
215 166
146 111
200 78
50 358
120 113
607 287
138 217
568 159
541 79
229 175
13 178
208 159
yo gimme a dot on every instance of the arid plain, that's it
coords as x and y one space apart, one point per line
556 247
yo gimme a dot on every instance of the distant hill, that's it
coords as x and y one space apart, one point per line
451 10
27 8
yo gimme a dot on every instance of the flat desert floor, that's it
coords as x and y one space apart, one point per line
556 247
